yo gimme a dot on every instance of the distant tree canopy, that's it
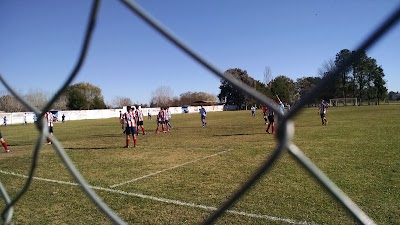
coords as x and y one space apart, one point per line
233 96
188 98
363 80
394 96
163 96
37 98
82 96
305 85
119 102
284 87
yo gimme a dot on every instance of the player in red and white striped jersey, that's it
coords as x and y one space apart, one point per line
50 122
161 117
130 127
139 116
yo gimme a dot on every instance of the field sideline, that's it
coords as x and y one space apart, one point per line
181 176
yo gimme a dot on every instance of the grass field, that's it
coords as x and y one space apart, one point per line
177 177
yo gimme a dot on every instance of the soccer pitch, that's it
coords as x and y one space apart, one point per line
181 176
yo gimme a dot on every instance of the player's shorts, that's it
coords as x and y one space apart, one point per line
50 129
1 136
130 130
271 119
140 123
203 117
322 115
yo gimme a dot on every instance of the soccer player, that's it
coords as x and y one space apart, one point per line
130 127
50 122
281 108
25 120
139 116
3 142
5 121
203 115
168 119
322 112
161 120
271 119
121 120
265 116
148 115
253 111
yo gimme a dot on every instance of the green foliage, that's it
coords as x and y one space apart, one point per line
84 96
363 79
305 85
284 87
234 96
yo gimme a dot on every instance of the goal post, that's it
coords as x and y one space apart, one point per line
343 102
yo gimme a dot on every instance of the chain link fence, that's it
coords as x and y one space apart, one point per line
285 131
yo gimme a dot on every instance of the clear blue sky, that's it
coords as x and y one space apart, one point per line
40 42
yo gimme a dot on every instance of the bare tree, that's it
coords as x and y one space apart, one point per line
162 96
61 103
38 98
268 76
119 102
327 66
8 103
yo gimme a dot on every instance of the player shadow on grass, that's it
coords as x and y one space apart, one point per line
107 135
90 148
241 134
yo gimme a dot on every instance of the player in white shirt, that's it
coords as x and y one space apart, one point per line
139 117
130 127
50 122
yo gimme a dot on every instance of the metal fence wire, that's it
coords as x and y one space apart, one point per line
284 134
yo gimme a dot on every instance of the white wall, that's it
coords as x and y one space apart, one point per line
18 117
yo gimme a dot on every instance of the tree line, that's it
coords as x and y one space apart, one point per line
79 96
85 96
363 79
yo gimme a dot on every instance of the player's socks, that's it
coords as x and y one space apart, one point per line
134 142
127 142
4 145
273 128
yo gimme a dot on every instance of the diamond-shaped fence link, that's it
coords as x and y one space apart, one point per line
285 130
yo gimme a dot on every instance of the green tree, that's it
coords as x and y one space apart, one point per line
393 96
231 94
368 79
343 79
305 85
234 96
84 96
285 88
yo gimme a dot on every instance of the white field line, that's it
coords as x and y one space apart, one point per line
170 201
171 168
